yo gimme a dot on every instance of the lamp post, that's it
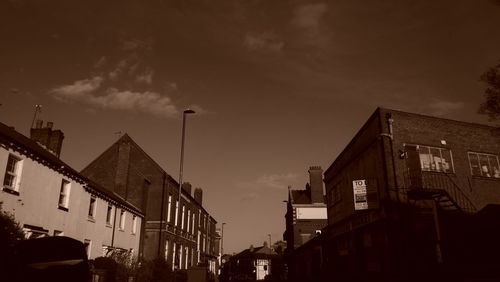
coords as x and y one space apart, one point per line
222 240
179 210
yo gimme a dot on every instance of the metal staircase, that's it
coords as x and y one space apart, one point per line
440 187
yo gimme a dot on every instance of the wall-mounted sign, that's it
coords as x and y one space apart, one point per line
311 213
365 194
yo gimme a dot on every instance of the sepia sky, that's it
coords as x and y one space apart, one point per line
278 85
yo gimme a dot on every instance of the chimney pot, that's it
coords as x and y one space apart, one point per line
39 123
50 124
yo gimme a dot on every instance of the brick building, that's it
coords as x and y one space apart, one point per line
49 198
186 238
412 198
306 211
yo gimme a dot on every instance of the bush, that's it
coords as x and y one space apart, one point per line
10 234
155 270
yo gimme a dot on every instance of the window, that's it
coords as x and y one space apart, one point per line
122 220
134 224
176 212
174 251
335 195
166 250
485 165
88 244
434 158
64 195
169 208
183 212
109 215
192 223
188 220
12 173
92 207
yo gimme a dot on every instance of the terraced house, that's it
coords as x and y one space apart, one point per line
49 198
176 226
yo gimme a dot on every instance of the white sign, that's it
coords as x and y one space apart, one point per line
360 195
311 213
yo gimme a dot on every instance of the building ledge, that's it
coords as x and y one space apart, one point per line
10 191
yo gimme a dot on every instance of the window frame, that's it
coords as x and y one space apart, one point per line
122 219
109 215
480 168
13 187
134 224
419 147
64 194
92 207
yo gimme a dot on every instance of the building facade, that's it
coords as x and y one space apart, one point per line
306 211
410 198
49 198
183 232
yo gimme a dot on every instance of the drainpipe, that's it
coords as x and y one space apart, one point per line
114 227
161 214
390 121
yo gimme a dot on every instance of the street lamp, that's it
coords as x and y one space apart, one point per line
186 112
222 240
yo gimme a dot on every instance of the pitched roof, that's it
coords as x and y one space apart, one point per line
300 196
256 252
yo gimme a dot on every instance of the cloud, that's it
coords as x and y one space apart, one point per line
309 16
135 44
311 29
78 90
85 91
101 62
440 107
266 41
145 77
275 181
118 70
249 197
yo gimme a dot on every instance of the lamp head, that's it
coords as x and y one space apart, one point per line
189 111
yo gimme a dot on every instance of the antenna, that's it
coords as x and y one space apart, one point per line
38 109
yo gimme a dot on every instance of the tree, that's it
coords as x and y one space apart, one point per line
491 106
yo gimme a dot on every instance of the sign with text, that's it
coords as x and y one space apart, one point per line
365 194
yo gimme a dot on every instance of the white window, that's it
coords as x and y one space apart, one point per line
485 165
88 245
12 173
169 208
64 194
183 212
109 215
180 256
188 220
134 224
92 206
186 250
122 220
174 251
192 224
434 158
166 250
176 212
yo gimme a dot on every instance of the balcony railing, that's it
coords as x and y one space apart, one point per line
439 186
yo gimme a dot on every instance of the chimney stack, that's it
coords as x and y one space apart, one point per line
186 186
50 139
316 184
198 195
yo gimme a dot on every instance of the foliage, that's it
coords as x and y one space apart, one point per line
154 270
491 106
118 266
10 233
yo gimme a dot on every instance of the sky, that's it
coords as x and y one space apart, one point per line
278 86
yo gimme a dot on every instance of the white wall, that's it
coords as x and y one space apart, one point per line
37 204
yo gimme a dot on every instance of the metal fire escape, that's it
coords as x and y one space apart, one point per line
437 186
